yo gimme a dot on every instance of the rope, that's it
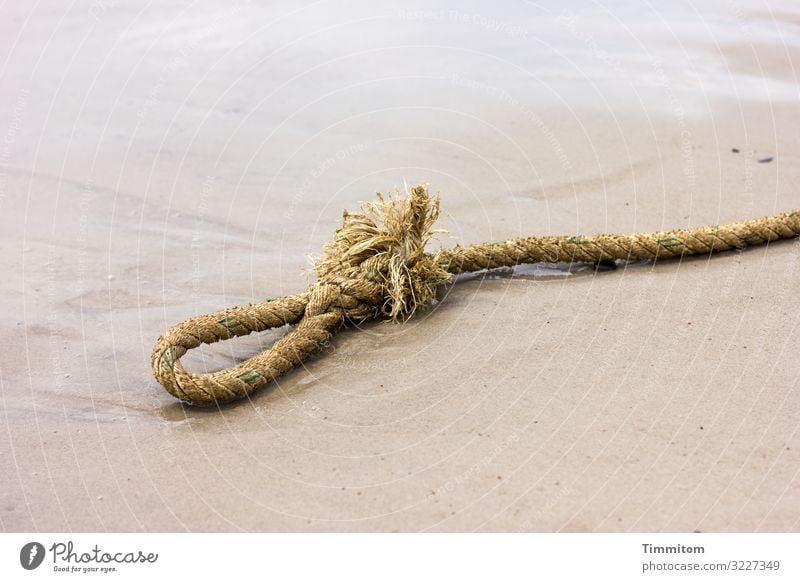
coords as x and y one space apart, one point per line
376 266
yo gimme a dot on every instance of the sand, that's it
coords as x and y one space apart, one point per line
161 162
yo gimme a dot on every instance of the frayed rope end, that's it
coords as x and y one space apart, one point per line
385 243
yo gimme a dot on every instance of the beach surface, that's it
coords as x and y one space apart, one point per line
164 160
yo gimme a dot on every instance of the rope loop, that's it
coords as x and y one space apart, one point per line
375 266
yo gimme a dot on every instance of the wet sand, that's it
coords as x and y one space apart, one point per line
164 162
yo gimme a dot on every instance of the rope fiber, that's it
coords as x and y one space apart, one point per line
376 267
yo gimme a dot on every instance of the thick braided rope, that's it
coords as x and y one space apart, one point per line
376 266
601 247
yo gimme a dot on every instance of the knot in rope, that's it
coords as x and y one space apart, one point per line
384 246
376 266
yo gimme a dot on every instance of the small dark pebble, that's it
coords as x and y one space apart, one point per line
735 150
765 160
